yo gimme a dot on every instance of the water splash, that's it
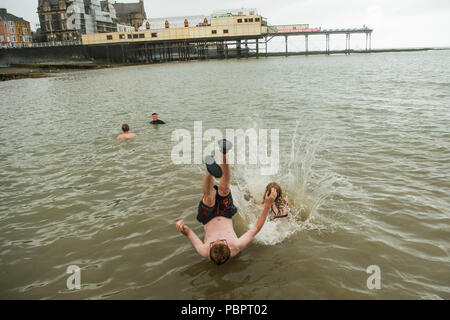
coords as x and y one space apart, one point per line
305 180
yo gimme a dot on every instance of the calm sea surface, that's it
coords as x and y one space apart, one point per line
364 157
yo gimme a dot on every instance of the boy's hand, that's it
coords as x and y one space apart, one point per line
181 227
270 198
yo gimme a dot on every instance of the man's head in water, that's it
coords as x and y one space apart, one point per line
219 252
125 128
154 116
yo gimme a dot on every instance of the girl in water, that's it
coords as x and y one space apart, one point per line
280 208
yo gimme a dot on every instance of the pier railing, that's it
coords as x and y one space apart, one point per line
44 45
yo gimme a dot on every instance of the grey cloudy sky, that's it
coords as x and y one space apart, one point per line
396 23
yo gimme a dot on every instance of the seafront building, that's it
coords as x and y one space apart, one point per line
125 28
14 31
131 14
67 20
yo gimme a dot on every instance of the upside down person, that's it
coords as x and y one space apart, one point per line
216 211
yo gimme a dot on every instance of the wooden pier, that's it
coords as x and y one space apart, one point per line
217 48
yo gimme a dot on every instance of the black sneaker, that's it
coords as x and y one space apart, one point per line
213 168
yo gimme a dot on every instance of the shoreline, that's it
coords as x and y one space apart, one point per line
36 71
46 70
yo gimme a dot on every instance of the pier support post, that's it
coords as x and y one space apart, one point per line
367 41
265 38
246 48
257 48
107 54
286 41
306 44
146 54
327 43
347 43
238 48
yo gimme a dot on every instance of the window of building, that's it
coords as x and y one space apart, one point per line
2 38
239 20
141 36
225 31
121 36
12 31
14 39
257 20
252 13
250 20
135 36
109 37
214 32
154 35
245 20
129 36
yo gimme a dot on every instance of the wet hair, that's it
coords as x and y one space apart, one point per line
219 253
279 200
125 128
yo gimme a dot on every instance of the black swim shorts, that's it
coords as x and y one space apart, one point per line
223 207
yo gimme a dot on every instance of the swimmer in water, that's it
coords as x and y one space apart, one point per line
155 119
126 133
279 210
216 211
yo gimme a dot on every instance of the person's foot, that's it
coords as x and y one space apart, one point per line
225 146
213 168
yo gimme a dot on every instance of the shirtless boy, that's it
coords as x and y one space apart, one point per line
126 133
216 211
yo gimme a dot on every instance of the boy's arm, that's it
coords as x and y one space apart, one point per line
245 239
196 242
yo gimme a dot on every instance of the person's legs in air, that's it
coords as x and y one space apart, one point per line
224 183
209 193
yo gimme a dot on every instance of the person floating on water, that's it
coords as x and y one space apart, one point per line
155 119
279 210
126 133
216 211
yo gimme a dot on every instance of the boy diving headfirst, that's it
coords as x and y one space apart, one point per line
216 211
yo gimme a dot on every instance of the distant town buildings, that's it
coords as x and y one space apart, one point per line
67 20
125 28
131 13
14 31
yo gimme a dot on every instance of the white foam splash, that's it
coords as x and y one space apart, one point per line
306 187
